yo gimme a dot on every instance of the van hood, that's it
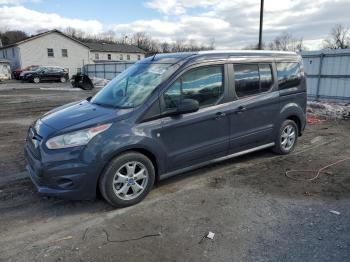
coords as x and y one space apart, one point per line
80 114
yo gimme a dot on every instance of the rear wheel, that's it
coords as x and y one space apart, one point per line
286 139
127 179
36 79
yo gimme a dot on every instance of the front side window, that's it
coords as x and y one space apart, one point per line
131 87
64 53
288 75
50 52
204 84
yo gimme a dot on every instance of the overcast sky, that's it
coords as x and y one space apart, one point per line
232 23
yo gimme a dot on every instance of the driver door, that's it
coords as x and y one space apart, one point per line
193 138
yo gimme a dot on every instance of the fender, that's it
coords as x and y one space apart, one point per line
293 110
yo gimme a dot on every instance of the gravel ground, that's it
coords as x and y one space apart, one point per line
255 211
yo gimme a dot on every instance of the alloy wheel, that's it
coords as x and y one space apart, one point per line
130 180
288 137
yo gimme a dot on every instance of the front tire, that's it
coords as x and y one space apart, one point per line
287 137
63 79
36 79
127 179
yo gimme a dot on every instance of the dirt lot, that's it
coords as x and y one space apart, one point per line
255 211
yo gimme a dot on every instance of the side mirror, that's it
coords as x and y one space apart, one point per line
187 106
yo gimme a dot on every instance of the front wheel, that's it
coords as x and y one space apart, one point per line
63 79
127 179
36 80
286 139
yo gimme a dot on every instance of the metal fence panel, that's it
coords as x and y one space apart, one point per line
328 74
107 70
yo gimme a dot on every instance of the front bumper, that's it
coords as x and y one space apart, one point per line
64 179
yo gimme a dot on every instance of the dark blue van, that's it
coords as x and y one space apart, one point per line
165 115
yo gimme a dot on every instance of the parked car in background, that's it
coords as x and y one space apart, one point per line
46 73
5 70
17 72
165 115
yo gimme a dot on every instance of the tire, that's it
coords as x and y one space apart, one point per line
120 169
63 79
36 79
287 137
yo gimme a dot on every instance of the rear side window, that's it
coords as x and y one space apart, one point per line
288 75
203 84
251 79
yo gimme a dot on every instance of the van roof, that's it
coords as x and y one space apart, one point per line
173 58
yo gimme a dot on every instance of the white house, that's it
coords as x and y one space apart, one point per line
114 52
54 48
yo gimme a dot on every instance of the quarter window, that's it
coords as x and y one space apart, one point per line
50 52
203 84
288 75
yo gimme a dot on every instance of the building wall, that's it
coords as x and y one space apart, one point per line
115 56
35 52
12 54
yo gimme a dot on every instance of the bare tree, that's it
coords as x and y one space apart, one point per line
339 38
12 36
287 42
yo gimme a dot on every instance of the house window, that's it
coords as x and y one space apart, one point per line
127 57
13 52
5 54
64 53
120 57
109 56
97 56
50 52
138 57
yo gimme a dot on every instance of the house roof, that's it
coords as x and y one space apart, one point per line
43 34
121 48
102 47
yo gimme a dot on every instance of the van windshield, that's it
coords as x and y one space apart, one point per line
130 88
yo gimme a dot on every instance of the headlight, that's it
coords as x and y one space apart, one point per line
77 138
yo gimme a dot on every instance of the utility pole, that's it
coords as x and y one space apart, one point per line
261 23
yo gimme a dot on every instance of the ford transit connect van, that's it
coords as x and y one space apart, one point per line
165 115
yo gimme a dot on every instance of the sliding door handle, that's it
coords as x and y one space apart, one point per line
240 109
219 115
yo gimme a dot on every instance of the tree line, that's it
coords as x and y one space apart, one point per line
338 38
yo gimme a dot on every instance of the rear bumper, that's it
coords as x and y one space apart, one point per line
67 180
